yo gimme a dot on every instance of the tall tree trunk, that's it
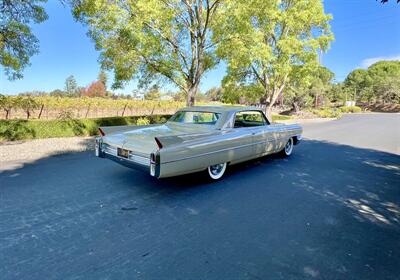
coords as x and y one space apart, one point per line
7 114
268 112
272 99
192 94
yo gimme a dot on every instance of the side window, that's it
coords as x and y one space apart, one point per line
249 119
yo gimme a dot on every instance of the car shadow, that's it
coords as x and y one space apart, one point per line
329 211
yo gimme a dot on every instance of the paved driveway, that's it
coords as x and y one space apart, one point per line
331 211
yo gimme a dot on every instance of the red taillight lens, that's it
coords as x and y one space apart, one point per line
158 143
101 132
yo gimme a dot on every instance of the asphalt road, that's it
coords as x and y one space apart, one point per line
331 211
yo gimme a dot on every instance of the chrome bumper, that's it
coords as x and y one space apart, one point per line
104 150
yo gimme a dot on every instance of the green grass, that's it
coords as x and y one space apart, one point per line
11 130
281 118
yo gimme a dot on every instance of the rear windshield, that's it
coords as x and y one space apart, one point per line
195 117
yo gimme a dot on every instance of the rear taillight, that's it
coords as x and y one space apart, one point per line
152 158
101 132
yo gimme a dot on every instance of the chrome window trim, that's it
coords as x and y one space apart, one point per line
231 121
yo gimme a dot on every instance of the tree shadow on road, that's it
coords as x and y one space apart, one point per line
367 182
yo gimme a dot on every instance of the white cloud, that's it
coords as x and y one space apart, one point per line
369 61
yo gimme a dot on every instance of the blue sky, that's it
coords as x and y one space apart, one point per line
365 32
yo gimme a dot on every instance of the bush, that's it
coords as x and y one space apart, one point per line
143 121
350 109
11 130
327 113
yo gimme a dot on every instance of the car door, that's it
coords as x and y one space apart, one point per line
279 135
263 137
265 141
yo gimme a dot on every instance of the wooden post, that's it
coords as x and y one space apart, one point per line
41 110
123 112
87 112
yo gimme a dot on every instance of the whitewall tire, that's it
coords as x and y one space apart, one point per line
216 171
287 151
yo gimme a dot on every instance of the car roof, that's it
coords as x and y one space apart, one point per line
220 109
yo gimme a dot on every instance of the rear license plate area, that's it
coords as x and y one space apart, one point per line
123 153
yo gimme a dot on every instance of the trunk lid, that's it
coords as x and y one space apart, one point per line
141 141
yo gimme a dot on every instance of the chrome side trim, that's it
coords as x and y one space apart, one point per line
218 151
226 149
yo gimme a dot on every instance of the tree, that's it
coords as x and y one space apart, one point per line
153 93
17 43
321 82
388 89
103 77
6 104
58 93
71 87
308 86
27 104
385 77
95 89
378 82
263 41
214 94
240 93
150 39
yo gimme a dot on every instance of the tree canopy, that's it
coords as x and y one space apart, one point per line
263 42
17 43
379 83
153 40
71 86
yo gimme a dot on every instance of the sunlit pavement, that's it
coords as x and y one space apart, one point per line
331 211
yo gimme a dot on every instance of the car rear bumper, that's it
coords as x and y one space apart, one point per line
134 161
128 163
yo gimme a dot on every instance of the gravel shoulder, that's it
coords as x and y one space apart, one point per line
15 154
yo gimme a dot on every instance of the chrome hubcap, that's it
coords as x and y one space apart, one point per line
216 169
288 147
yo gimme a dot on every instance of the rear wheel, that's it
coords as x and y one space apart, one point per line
216 171
287 151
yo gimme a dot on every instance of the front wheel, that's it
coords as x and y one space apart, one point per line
287 151
216 171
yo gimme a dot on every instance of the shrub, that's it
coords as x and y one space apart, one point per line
66 127
327 113
350 109
142 121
